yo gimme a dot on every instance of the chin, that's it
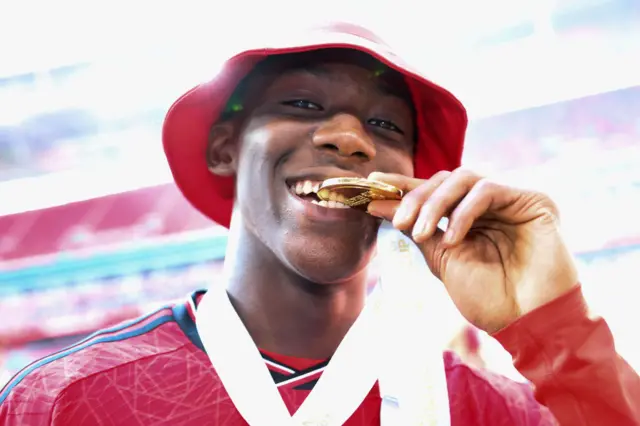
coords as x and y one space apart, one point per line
327 262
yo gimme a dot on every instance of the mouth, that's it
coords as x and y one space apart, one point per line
307 190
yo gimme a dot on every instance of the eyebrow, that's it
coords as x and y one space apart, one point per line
320 71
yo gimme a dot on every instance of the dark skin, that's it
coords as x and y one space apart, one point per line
300 280
298 271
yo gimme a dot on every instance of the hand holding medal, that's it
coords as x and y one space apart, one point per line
501 256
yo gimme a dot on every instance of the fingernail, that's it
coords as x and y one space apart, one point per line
420 227
374 212
402 214
450 236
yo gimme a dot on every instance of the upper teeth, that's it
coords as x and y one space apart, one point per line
307 187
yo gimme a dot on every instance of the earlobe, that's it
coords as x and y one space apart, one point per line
221 150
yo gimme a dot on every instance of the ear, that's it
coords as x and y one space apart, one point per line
222 150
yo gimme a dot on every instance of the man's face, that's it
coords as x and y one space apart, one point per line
302 126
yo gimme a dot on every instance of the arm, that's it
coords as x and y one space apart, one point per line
25 408
29 398
506 267
571 359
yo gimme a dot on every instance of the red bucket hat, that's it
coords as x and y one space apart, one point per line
441 118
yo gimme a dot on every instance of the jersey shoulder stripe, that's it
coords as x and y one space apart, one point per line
123 331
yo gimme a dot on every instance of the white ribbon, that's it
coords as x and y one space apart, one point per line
395 327
412 378
344 383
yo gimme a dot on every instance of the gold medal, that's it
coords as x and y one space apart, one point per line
357 192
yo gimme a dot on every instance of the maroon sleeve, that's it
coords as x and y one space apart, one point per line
26 403
571 359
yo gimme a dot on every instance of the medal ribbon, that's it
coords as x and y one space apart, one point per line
412 379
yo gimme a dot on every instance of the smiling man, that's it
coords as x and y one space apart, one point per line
249 150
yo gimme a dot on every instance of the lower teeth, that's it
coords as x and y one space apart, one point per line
330 204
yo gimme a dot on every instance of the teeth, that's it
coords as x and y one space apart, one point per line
335 200
305 187
332 196
330 204
308 187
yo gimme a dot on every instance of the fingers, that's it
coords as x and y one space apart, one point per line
403 213
383 209
405 183
509 205
441 201
485 196
463 197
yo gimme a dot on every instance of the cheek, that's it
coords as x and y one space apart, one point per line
253 148
253 165
271 138
263 143
390 160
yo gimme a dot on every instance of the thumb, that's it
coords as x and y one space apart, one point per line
384 209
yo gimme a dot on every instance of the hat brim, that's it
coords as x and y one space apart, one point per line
441 122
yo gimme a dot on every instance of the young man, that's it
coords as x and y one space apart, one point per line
248 150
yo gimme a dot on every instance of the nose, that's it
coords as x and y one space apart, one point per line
345 135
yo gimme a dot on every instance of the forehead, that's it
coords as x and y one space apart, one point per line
387 80
327 63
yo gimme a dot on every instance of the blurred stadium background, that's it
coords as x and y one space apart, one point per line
92 231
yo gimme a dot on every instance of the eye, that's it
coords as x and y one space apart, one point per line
304 104
386 125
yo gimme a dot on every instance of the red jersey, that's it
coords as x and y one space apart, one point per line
154 371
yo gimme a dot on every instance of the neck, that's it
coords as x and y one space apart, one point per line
283 312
